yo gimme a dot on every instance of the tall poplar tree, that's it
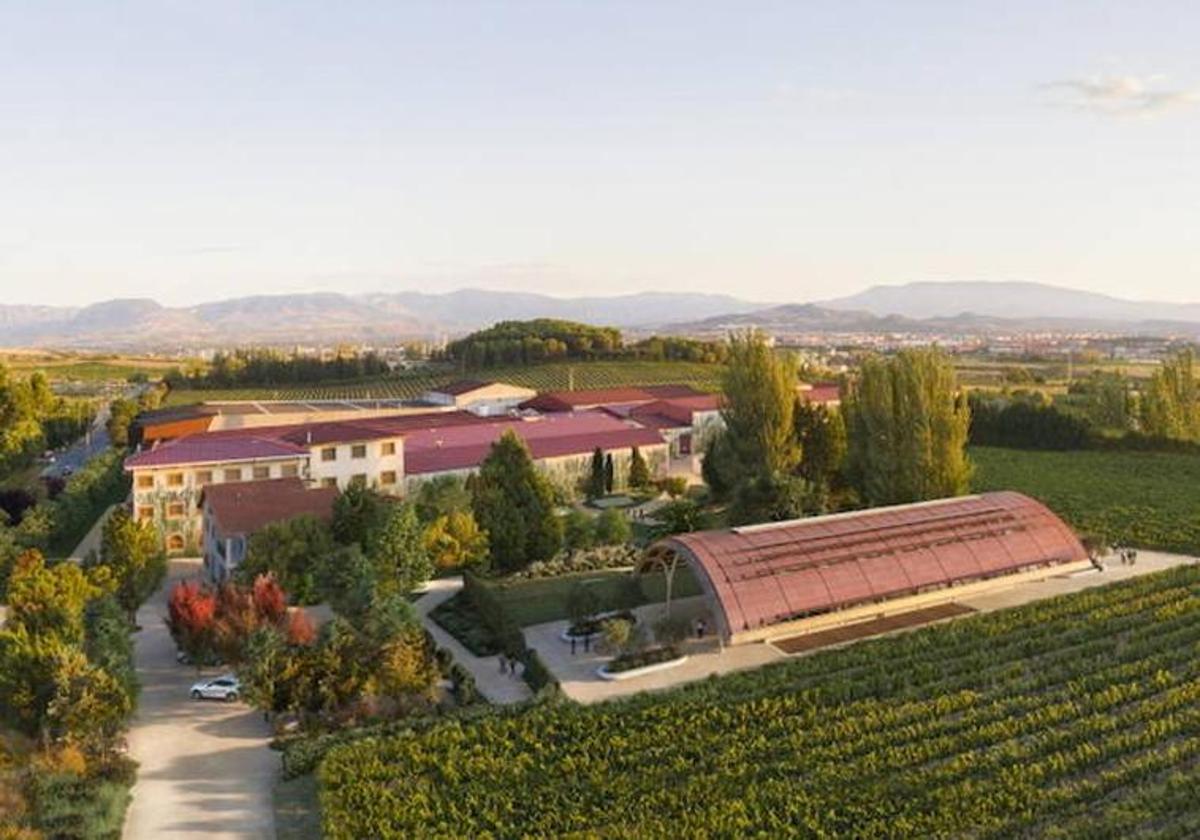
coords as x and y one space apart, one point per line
907 425
1169 406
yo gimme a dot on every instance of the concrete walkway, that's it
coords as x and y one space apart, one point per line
494 686
205 768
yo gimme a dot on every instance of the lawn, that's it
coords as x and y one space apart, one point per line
547 377
1076 716
1148 499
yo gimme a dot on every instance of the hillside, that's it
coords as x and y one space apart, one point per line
1008 300
328 317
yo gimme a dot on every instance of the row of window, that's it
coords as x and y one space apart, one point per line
387 478
359 450
258 472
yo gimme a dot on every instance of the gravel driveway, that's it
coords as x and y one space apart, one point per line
205 768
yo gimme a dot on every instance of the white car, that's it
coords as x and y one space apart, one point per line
220 688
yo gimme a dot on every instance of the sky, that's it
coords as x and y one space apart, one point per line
790 151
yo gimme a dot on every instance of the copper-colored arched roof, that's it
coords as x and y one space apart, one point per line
767 574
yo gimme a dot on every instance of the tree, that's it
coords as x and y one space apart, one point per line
639 471
130 551
681 516
514 503
773 497
89 706
107 642
346 579
359 513
455 541
821 433
583 603
718 469
612 528
49 600
597 477
907 426
288 550
673 485
191 618
441 496
759 400
578 533
609 473
401 560
1169 407
122 413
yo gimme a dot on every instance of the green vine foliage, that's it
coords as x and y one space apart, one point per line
1072 717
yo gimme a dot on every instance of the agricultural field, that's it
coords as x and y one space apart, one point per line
1148 499
547 377
86 368
1070 717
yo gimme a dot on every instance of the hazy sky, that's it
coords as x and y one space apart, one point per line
189 151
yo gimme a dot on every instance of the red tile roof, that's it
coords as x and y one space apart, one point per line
593 397
764 575
205 449
678 412
825 392
463 447
246 506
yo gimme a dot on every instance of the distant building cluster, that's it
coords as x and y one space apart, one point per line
288 458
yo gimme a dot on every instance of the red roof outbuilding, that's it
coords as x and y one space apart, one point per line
764 575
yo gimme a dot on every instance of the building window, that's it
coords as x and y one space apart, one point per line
175 542
234 474
145 512
329 482
145 482
204 476
329 453
175 509
358 450
175 479
262 472
387 477
388 448
289 470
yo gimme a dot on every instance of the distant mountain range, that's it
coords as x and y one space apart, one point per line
1008 300
951 307
143 324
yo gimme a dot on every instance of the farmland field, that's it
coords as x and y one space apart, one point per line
1149 499
86 368
1071 717
547 377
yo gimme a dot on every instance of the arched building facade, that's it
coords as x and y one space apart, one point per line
784 578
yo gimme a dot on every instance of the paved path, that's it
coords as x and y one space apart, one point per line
493 685
206 770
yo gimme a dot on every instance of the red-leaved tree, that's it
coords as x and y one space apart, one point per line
191 618
300 629
270 601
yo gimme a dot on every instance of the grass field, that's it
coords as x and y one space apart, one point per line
1071 717
546 377
1149 499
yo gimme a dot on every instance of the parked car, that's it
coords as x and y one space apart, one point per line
225 688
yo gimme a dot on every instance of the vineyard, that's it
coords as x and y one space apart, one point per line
547 377
1148 499
1071 717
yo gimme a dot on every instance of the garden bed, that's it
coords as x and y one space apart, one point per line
630 665
593 626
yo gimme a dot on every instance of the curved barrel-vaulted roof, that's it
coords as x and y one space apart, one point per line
768 574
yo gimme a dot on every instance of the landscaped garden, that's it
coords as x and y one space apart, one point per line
1071 717
1147 499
